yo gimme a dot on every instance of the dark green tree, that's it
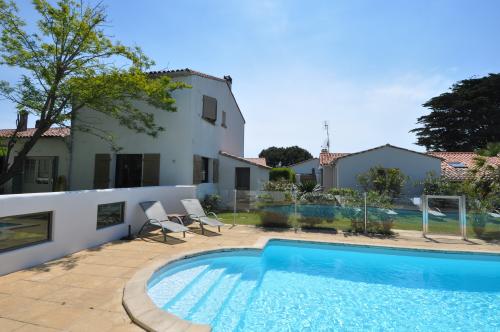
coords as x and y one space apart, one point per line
67 64
286 156
465 119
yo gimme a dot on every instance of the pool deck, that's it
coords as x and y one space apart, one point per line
83 291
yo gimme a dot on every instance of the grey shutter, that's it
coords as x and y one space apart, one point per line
215 176
209 108
197 169
151 169
101 171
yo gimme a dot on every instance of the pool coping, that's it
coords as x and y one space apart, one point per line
143 312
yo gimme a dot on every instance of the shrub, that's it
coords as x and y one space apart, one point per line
282 173
280 185
274 219
211 203
383 180
342 191
309 222
308 187
317 197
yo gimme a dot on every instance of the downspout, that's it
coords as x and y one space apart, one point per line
70 149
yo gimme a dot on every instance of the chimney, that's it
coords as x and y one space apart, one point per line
229 80
22 121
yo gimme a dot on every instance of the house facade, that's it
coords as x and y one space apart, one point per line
47 165
307 170
341 170
194 148
208 124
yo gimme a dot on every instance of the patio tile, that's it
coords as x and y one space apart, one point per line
62 317
97 320
35 328
7 325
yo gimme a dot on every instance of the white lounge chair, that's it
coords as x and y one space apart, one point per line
157 216
196 213
495 214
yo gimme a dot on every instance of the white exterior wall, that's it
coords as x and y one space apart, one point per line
306 167
328 177
227 165
74 219
45 147
186 134
411 164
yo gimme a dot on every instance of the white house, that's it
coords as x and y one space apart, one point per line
340 170
47 164
202 144
194 148
307 169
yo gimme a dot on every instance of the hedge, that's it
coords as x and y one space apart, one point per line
282 173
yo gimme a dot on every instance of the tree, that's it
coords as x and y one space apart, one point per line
491 150
384 181
286 156
69 65
464 119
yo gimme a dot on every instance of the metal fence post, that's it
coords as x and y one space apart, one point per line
425 214
462 213
366 212
234 207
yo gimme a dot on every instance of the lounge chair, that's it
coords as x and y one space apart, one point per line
196 213
157 216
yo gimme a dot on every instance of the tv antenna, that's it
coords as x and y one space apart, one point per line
326 144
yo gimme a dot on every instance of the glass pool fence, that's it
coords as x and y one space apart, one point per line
358 212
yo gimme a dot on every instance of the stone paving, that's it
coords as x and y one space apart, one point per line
83 291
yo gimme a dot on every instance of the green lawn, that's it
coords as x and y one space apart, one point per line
409 221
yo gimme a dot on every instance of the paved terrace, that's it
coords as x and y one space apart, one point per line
83 292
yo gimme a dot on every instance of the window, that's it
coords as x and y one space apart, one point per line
457 164
29 171
204 170
128 170
24 230
209 109
110 214
224 119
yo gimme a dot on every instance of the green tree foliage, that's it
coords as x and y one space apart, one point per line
464 119
491 150
286 156
388 181
69 64
283 174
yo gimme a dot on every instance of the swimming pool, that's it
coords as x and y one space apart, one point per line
299 286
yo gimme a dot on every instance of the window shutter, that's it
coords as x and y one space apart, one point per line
151 169
215 176
197 169
101 171
209 108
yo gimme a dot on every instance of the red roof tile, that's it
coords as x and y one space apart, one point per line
466 158
326 158
52 132
252 161
260 161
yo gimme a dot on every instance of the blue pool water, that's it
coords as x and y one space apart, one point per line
298 286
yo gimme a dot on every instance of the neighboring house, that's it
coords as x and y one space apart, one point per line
194 148
456 165
307 170
340 170
47 164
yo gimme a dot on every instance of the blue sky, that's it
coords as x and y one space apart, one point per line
364 66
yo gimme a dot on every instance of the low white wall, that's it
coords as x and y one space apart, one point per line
74 219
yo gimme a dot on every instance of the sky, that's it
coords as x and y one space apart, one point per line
365 67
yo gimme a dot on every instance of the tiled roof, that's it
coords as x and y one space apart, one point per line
260 161
466 158
52 132
185 72
326 158
252 161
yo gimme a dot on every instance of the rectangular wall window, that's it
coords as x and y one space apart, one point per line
204 170
110 214
209 109
224 119
24 230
